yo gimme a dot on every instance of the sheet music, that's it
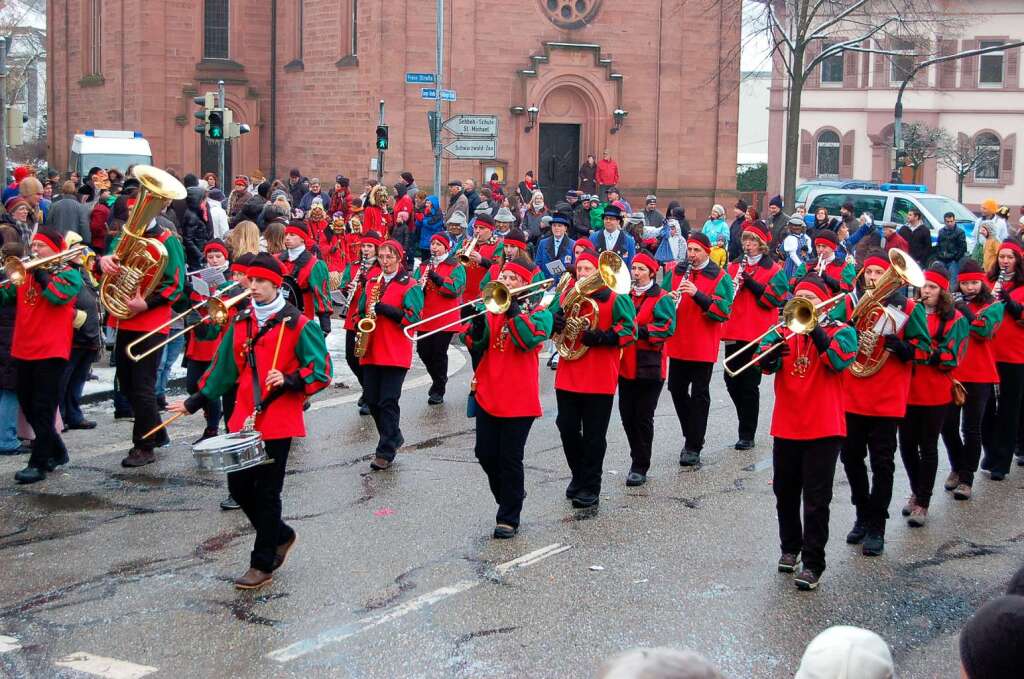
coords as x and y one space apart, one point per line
891 322
555 267
206 281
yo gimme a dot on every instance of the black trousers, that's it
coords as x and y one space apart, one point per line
38 396
965 452
228 401
382 387
804 470
583 426
137 380
689 382
258 490
72 382
193 372
919 448
638 399
350 355
1002 418
433 351
872 439
500 445
744 390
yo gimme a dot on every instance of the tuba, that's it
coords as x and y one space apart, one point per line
142 260
870 310
581 311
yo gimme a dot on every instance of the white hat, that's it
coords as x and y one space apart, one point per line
844 652
457 218
505 216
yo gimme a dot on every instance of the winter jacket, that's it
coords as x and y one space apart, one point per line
195 228
736 238
715 229
457 203
218 218
67 214
919 241
473 198
532 225
87 336
952 245
778 229
607 172
429 220
250 211
526 191
588 178
98 227
307 200
297 190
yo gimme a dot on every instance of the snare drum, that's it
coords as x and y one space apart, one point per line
230 452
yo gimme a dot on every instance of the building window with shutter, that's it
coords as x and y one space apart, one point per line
832 69
988 147
215 29
828 154
990 69
901 64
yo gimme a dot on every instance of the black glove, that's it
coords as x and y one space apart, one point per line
325 323
559 322
477 326
831 282
681 267
1003 294
935 359
436 278
389 311
901 349
753 286
1012 306
42 277
485 263
702 300
643 333
513 308
965 310
598 338
783 350
292 382
821 339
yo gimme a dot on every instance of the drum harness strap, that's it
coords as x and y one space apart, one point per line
260 404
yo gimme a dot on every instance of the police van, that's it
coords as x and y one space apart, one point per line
890 203
108 149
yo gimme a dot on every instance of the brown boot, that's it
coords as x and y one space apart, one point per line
254 579
380 464
282 551
139 458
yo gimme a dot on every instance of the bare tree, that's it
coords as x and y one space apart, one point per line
922 143
963 157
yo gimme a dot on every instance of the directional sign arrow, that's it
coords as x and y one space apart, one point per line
484 148
468 125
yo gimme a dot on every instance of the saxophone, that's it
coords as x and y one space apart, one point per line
368 323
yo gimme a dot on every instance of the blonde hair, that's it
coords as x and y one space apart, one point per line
274 235
243 239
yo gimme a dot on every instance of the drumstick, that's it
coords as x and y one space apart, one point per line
277 348
162 425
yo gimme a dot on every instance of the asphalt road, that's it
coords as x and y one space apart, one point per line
127 573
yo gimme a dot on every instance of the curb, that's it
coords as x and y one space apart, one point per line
108 394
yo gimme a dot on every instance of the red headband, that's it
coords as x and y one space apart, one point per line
587 256
216 246
396 246
756 231
937 278
703 246
877 261
370 240
519 270
517 243
239 268
818 291
266 274
241 182
1011 245
646 260
56 246
441 238
827 242
972 276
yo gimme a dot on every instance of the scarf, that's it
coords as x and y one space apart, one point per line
639 290
293 253
264 312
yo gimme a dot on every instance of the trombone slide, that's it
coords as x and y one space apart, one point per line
496 298
217 310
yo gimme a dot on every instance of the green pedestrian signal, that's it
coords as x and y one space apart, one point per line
382 137
215 124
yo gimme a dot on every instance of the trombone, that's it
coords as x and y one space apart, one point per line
18 269
496 297
217 309
799 316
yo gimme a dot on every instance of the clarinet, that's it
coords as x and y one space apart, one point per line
741 272
1004 275
678 292
364 266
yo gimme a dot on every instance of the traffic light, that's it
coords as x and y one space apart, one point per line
207 103
382 137
215 124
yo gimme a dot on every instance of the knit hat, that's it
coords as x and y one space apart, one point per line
844 651
651 198
992 641
266 267
613 211
813 283
971 270
741 205
989 205
517 238
216 244
14 203
394 245
757 230
50 238
938 274
280 194
442 238
827 238
21 172
263 190
646 260
717 209
299 228
587 256
505 216
457 218
584 243
700 239
370 238
776 201
216 194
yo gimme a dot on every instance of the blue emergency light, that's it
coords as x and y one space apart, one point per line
906 188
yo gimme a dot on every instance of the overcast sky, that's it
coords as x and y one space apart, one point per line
757 48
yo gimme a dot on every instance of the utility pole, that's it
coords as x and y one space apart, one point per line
223 141
439 77
380 151
4 44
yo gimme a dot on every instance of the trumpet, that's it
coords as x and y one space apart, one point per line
496 297
217 310
465 252
800 316
18 269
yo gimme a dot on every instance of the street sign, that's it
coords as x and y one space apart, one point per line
448 95
472 125
420 79
483 149
431 93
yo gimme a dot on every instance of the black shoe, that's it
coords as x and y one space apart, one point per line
807 580
435 399
636 479
986 464
207 434
503 531
743 444
856 534
84 424
364 409
874 544
788 563
229 503
998 476
689 458
571 491
124 415
30 474
585 500
379 464
361 402
52 464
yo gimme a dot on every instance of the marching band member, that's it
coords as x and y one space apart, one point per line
394 300
137 379
358 272
244 360
442 279
977 372
875 405
585 387
331 246
703 295
41 346
930 392
305 276
643 365
838 274
760 288
507 391
807 371
1002 418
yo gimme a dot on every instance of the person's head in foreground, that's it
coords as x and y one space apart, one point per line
658 663
992 641
844 652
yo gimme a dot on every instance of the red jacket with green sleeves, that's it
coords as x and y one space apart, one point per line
700 319
507 381
42 323
932 381
303 359
445 298
755 306
355 268
311 276
838 275
979 363
331 247
1008 345
885 393
166 293
489 252
388 344
809 401
597 371
655 322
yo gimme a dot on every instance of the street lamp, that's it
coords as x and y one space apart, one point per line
620 116
531 114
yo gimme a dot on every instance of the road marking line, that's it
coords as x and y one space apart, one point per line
338 634
109 668
8 644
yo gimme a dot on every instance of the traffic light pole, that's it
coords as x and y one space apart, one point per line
439 77
222 143
380 152
4 42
